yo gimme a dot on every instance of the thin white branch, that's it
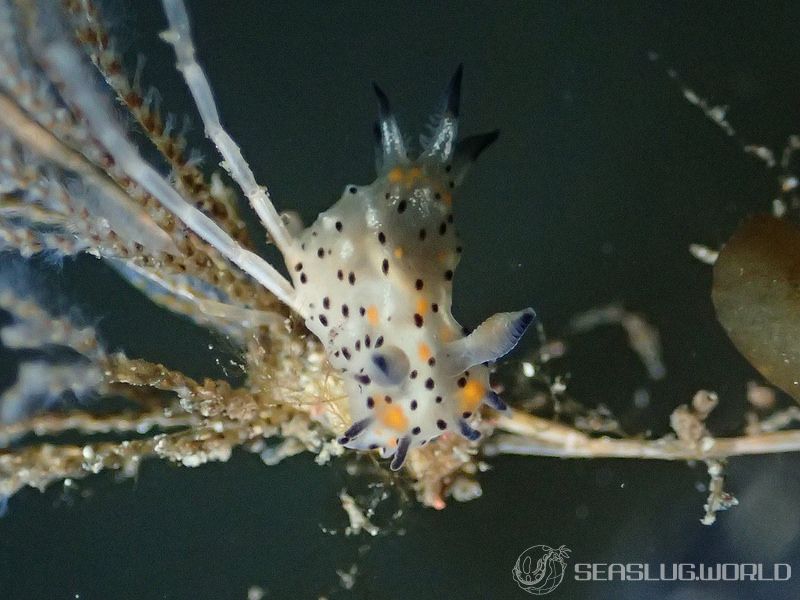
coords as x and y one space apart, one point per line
534 436
64 62
180 37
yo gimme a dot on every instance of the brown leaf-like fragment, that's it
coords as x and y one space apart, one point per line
756 293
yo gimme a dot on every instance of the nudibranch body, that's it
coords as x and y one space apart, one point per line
373 277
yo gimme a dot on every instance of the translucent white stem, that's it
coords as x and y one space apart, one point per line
66 65
179 35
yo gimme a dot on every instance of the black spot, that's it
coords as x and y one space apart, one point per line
431 361
401 206
351 278
413 374
373 446
346 353
336 354
438 399
413 405
419 284
438 196
448 168
418 320
423 234
303 278
387 195
321 252
452 184
345 311
324 320
370 402
379 342
462 382
303 246
388 399
466 414
429 383
338 225
339 274
443 228
298 267
353 189
448 275
435 307
362 311
367 341
363 379
385 266
459 249
416 430
441 424
358 345
450 218
326 303
381 237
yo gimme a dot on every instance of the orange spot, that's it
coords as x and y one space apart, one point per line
442 256
422 306
445 333
413 174
471 395
372 315
447 198
398 252
393 417
424 351
395 175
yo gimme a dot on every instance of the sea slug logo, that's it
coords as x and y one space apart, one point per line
540 569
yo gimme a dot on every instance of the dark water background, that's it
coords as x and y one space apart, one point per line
601 179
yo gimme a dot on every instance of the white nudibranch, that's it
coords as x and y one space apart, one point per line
372 277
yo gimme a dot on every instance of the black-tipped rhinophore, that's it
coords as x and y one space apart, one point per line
384 108
390 138
467 152
400 453
439 147
470 148
453 93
